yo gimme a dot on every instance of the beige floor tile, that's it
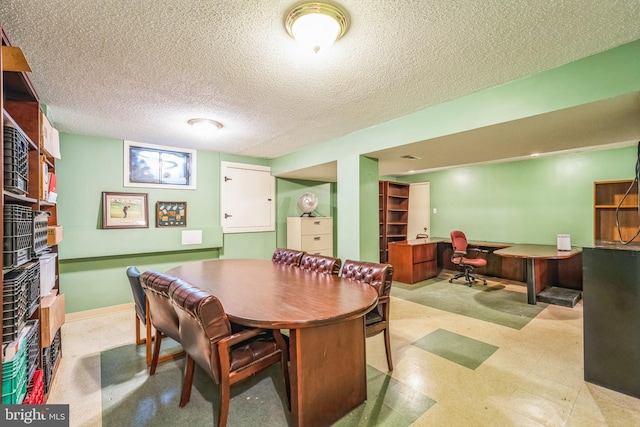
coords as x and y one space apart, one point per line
535 378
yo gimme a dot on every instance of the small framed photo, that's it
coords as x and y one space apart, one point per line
125 210
171 214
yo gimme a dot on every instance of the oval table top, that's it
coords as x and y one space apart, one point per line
264 294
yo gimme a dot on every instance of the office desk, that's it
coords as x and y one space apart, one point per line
543 268
414 260
325 316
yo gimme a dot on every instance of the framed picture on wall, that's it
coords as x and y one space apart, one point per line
125 210
171 214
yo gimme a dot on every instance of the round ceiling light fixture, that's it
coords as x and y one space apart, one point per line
204 126
316 25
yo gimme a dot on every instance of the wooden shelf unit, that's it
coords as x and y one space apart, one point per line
609 197
21 110
394 214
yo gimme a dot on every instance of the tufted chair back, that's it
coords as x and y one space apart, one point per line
161 312
163 315
380 276
287 256
203 322
321 264
207 338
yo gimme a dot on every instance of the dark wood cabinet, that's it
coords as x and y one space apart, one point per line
611 318
413 260
394 214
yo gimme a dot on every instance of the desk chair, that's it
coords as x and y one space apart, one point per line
459 243
228 358
321 264
142 312
287 256
380 277
161 313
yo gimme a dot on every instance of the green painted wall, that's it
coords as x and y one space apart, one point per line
369 211
90 165
527 201
93 261
288 191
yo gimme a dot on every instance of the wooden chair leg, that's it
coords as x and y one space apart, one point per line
148 338
187 381
139 339
156 352
387 344
284 362
225 395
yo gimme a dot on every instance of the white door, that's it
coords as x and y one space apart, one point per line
419 215
247 198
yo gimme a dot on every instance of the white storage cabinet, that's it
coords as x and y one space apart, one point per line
313 235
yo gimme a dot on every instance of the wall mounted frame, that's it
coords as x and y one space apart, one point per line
124 210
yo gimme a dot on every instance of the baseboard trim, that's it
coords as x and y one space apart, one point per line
97 312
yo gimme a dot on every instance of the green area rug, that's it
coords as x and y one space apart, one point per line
489 303
130 397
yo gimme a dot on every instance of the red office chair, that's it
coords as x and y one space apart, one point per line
459 243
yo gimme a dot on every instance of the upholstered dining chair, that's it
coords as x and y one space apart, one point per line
227 357
142 313
161 313
380 276
459 258
321 264
287 256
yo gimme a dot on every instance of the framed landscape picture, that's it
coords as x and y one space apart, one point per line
171 214
125 210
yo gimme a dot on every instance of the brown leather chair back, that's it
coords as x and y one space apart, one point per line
287 256
226 356
163 315
203 322
379 276
321 264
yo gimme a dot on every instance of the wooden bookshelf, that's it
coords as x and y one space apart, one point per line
616 215
394 214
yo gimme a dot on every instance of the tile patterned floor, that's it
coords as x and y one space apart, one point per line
533 378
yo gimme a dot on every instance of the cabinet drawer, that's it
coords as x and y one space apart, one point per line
422 253
317 226
322 241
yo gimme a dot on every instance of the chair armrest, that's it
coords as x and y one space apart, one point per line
239 337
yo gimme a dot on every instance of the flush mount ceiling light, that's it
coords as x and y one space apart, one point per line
204 126
316 25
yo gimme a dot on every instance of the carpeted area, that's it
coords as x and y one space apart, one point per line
491 303
130 397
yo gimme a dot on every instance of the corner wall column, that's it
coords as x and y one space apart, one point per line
357 208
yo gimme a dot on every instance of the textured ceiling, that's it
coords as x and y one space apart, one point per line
138 70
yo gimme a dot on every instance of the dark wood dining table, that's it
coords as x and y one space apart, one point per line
324 315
